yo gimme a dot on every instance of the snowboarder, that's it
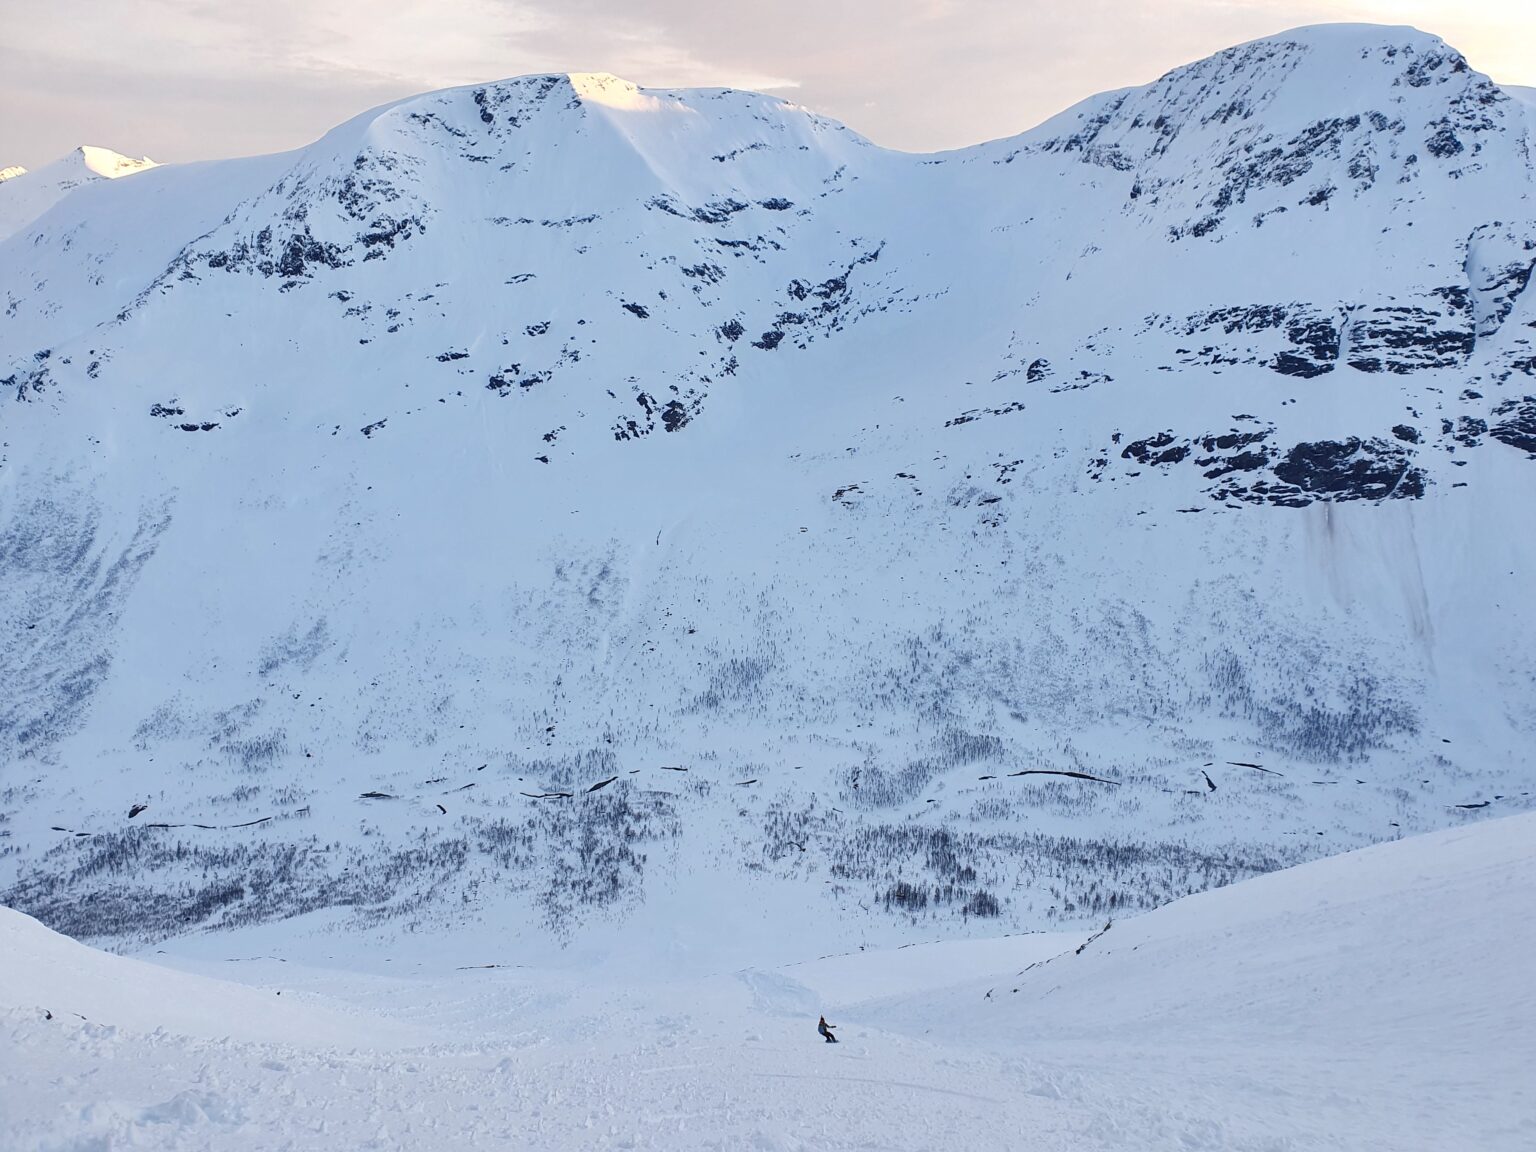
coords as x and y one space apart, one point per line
826 1030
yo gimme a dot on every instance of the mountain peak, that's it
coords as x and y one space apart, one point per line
1351 34
1334 109
106 163
27 195
605 88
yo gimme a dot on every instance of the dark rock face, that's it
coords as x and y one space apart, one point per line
1351 469
1216 454
719 211
1439 331
1250 469
364 210
1517 428
1234 452
821 307
672 414
1159 449
1469 430
1285 163
1406 339
291 257
1311 332
1316 346
1444 142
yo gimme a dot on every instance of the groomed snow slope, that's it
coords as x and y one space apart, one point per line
1374 1001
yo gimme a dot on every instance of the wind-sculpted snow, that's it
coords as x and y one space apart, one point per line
540 506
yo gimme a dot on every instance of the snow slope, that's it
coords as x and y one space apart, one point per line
42 967
560 518
1375 1000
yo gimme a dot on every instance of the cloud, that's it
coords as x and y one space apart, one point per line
192 79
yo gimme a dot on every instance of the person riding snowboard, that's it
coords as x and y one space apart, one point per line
826 1030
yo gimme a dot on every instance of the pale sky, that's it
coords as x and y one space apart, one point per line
200 79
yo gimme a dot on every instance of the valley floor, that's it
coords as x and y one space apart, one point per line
1377 1000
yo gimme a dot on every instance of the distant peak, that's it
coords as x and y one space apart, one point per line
12 172
107 163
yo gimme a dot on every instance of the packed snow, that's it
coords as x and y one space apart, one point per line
1377 1000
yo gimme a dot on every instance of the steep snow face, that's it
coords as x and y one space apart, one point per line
24 200
1374 1001
614 516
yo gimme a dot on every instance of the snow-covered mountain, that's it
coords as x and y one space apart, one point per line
24 195
567 513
